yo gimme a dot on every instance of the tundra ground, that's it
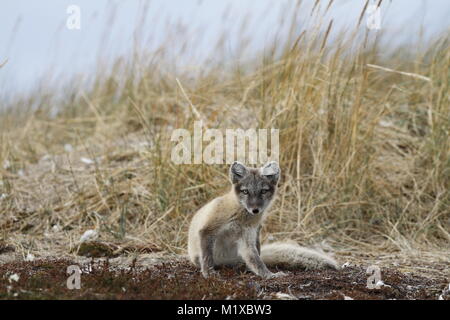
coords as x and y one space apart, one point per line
162 276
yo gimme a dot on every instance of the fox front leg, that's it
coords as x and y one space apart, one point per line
255 264
258 243
206 255
248 250
250 253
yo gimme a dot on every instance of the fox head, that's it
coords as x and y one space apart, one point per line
255 187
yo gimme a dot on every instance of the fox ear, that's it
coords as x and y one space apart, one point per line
237 171
271 170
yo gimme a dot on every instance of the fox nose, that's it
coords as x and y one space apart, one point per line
255 211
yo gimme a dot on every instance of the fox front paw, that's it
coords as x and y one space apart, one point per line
207 273
272 275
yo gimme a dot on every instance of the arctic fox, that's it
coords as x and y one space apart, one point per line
226 230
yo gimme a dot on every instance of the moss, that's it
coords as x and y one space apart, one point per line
46 279
4 248
96 249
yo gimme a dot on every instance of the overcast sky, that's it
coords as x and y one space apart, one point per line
35 40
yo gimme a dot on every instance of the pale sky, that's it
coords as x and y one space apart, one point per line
35 40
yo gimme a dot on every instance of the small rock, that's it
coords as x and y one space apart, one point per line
284 296
68 147
346 265
381 284
6 164
29 257
87 161
89 235
385 124
14 277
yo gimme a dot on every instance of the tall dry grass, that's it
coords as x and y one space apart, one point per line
364 134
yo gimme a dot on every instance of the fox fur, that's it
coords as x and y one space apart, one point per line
226 230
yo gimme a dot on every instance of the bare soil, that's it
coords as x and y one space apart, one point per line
178 279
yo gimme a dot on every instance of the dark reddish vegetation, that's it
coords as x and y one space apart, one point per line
46 279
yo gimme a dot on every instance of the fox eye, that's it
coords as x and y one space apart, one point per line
263 191
244 191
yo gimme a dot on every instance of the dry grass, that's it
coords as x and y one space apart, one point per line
365 151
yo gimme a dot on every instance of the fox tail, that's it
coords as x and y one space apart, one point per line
292 255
